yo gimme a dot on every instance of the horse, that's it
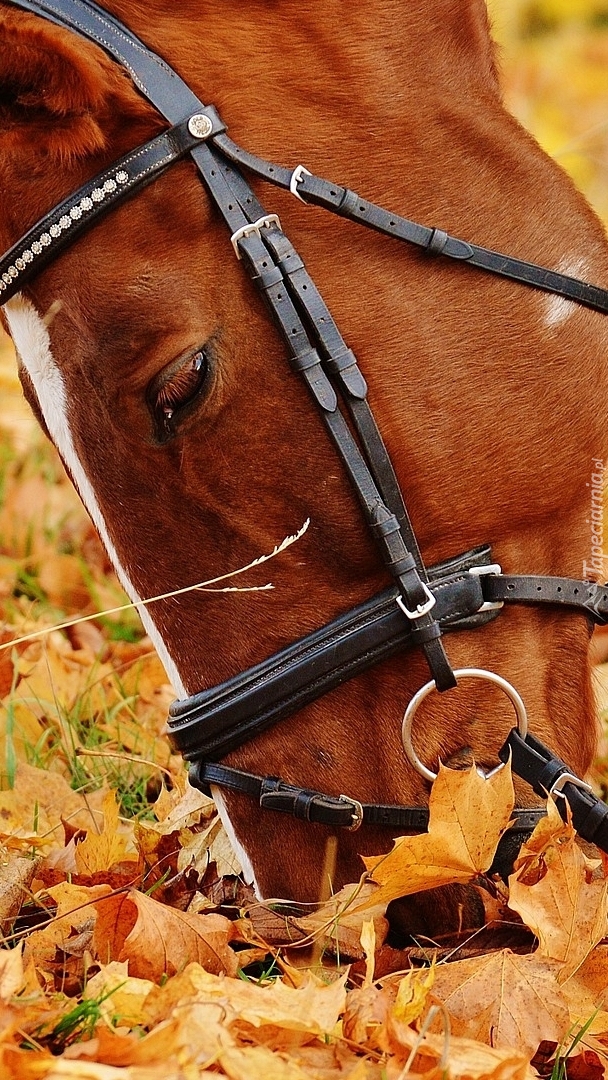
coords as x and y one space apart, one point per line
152 364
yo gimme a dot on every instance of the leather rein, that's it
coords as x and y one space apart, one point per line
422 603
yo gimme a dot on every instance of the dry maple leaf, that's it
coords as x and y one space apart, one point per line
100 851
504 1000
467 816
158 940
566 907
274 1013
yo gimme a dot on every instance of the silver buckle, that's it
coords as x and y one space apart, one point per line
479 571
296 176
254 227
568 778
422 609
357 812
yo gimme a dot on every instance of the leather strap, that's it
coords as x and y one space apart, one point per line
75 215
215 721
348 204
548 774
342 812
584 596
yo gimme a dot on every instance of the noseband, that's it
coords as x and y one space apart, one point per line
422 604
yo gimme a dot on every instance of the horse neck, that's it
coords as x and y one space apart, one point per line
379 57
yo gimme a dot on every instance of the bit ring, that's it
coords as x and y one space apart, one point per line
460 673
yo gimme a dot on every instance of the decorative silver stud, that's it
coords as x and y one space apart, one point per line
55 230
45 239
36 247
86 203
97 194
200 126
27 256
65 221
122 176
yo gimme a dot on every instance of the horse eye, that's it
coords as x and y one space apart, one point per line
176 389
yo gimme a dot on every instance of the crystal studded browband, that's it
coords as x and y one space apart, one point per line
76 213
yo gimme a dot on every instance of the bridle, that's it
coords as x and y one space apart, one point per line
422 603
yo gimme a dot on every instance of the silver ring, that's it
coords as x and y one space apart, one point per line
461 673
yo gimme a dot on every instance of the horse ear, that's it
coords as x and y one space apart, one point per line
59 94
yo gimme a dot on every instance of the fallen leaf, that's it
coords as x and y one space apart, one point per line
565 907
16 876
467 816
100 851
119 994
504 1000
275 1013
158 940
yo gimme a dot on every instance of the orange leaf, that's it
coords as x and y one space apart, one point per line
158 940
504 1000
102 850
467 816
565 907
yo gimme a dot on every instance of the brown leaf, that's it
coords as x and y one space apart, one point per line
74 915
504 1000
467 816
159 941
565 907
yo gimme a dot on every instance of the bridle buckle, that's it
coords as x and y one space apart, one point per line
421 609
479 571
556 789
253 228
357 808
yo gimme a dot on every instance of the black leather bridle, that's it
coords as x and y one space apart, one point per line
421 604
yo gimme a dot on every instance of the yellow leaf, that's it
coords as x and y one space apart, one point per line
12 975
553 890
368 944
259 1063
412 994
467 816
102 850
120 995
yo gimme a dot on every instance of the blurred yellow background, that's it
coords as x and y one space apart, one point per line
554 61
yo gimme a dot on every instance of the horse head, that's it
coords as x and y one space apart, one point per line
153 365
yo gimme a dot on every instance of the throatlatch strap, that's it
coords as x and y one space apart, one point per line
548 774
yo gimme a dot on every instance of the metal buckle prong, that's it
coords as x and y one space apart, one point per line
568 778
422 609
253 227
479 571
357 812
296 177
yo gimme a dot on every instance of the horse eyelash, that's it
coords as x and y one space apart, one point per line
183 386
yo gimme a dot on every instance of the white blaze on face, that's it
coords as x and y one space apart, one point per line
557 308
30 335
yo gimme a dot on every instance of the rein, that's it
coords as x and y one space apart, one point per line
422 604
